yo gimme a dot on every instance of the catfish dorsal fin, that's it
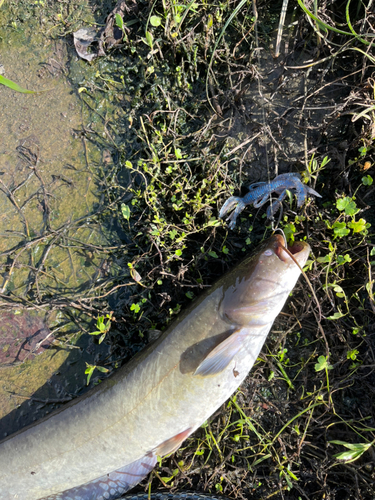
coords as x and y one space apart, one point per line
220 357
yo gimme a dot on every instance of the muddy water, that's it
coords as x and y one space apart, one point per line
50 191
46 181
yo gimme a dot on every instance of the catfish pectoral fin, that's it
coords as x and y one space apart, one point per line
172 444
112 485
220 357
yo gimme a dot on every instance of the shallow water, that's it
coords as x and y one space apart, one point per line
51 190
47 177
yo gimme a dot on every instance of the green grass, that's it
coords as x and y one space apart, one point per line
14 86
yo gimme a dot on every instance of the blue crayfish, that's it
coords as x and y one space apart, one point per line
259 192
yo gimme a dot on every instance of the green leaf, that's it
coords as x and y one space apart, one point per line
173 234
359 225
367 181
89 371
343 259
325 161
189 295
337 315
308 266
289 230
166 479
102 369
210 22
322 364
135 307
351 446
15 86
356 450
348 456
177 153
293 476
337 288
178 252
125 210
352 354
340 229
320 23
213 222
288 481
150 39
119 22
348 205
199 452
155 21
323 260
213 254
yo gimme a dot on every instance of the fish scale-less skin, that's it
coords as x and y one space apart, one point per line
157 395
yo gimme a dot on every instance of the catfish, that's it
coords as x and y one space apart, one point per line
102 444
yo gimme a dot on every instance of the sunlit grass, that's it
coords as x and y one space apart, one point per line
14 86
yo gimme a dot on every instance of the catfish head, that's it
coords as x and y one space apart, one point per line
256 290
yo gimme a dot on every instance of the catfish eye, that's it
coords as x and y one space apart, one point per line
268 252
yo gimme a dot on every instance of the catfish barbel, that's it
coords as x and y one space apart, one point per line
102 444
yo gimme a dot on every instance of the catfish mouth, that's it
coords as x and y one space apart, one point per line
297 247
297 250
